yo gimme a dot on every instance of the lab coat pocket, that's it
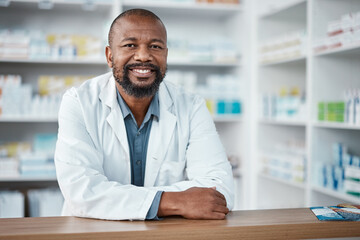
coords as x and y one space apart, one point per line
171 172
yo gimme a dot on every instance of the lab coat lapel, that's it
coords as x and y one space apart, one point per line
115 118
160 137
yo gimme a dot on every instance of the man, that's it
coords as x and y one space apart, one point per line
133 147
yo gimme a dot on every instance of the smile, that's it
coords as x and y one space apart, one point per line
142 72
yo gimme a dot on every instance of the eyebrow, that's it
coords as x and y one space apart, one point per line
134 39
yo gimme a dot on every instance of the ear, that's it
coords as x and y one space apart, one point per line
109 55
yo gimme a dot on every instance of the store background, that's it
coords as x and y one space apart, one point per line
280 77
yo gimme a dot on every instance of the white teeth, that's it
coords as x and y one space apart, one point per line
142 70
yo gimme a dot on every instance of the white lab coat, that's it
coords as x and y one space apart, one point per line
92 153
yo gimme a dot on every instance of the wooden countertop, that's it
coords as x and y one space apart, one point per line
253 224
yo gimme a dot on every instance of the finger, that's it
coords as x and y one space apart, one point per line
216 216
220 195
220 201
221 209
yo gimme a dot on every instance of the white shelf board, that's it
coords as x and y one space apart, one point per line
210 10
283 7
65 2
28 119
52 61
353 49
202 64
332 193
28 179
103 62
284 61
59 3
282 181
283 122
228 118
336 125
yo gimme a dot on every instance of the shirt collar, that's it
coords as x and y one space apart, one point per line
154 108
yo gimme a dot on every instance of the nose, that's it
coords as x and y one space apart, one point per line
143 54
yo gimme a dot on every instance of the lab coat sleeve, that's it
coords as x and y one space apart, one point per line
87 191
206 160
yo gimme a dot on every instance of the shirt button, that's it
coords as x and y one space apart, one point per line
138 133
138 162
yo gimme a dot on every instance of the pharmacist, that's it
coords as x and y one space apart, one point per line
131 146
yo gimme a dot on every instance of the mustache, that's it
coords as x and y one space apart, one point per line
148 65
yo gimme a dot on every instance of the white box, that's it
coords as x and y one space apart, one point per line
334 27
352 172
45 202
11 204
352 186
347 22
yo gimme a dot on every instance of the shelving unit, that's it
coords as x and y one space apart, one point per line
338 69
272 76
324 76
65 17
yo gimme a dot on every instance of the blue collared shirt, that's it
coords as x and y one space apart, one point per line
138 138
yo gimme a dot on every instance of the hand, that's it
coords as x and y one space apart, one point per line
194 203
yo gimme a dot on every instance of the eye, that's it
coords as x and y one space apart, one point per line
156 47
129 45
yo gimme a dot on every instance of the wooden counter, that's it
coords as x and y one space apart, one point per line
256 224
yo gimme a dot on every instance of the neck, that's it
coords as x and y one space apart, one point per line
138 106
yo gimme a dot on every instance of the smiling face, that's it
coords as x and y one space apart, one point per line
137 54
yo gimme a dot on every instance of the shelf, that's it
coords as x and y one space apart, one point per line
103 62
28 179
54 119
284 61
51 61
202 64
178 8
286 182
283 122
225 119
281 8
60 4
28 119
336 125
351 50
332 193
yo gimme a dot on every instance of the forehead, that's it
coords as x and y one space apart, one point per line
139 27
